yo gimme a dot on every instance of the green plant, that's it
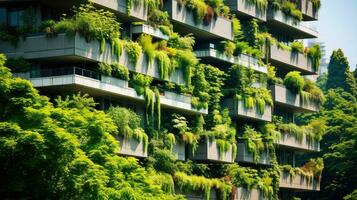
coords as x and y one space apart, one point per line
147 46
297 46
289 8
272 79
133 50
316 5
294 82
199 183
105 69
120 71
128 123
315 55
229 48
165 68
260 4
117 47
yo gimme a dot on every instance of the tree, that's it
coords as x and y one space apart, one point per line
65 150
339 75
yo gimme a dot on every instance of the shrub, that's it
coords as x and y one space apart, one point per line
133 50
120 71
294 82
105 69
297 47
315 55
148 47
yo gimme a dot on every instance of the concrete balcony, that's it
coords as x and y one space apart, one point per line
85 81
149 30
208 151
298 182
287 99
184 23
246 9
198 195
179 150
73 49
308 12
132 147
288 61
210 55
243 155
289 141
277 20
251 194
237 110
137 13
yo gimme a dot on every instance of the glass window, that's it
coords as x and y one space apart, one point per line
3 18
16 17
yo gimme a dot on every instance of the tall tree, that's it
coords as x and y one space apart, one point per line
339 75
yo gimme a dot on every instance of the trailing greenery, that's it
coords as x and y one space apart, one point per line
116 70
315 55
294 82
166 69
194 183
129 124
260 4
133 50
311 170
297 46
148 48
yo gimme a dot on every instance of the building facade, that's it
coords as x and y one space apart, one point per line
174 62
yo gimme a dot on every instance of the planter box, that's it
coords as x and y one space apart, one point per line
243 155
289 141
120 7
288 61
208 151
105 86
209 55
277 20
245 8
221 28
197 195
237 110
285 98
154 32
131 147
298 182
307 10
179 151
76 48
245 194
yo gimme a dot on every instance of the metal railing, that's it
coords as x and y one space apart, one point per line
65 71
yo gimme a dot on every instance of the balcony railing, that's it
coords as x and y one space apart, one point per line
306 7
132 147
278 20
237 109
38 47
298 182
149 30
248 194
245 8
208 150
288 140
92 82
288 60
285 98
210 55
243 155
218 28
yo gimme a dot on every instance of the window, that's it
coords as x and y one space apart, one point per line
16 17
3 16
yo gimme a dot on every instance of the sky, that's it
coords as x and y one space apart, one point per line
337 26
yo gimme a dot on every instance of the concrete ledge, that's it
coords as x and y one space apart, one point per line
208 151
286 98
245 8
179 151
299 182
245 194
132 147
307 10
154 32
237 109
289 141
120 7
243 155
221 28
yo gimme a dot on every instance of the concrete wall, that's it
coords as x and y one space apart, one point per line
237 109
243 155
283 96
208 151
131 147
120 6
154 32
245 194
219 28
199 195
245 7
294 60
289 141
179 151
307 10
76 48
298 182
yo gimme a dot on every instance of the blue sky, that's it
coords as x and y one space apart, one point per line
337 27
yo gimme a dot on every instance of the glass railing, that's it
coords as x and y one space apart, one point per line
65 71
